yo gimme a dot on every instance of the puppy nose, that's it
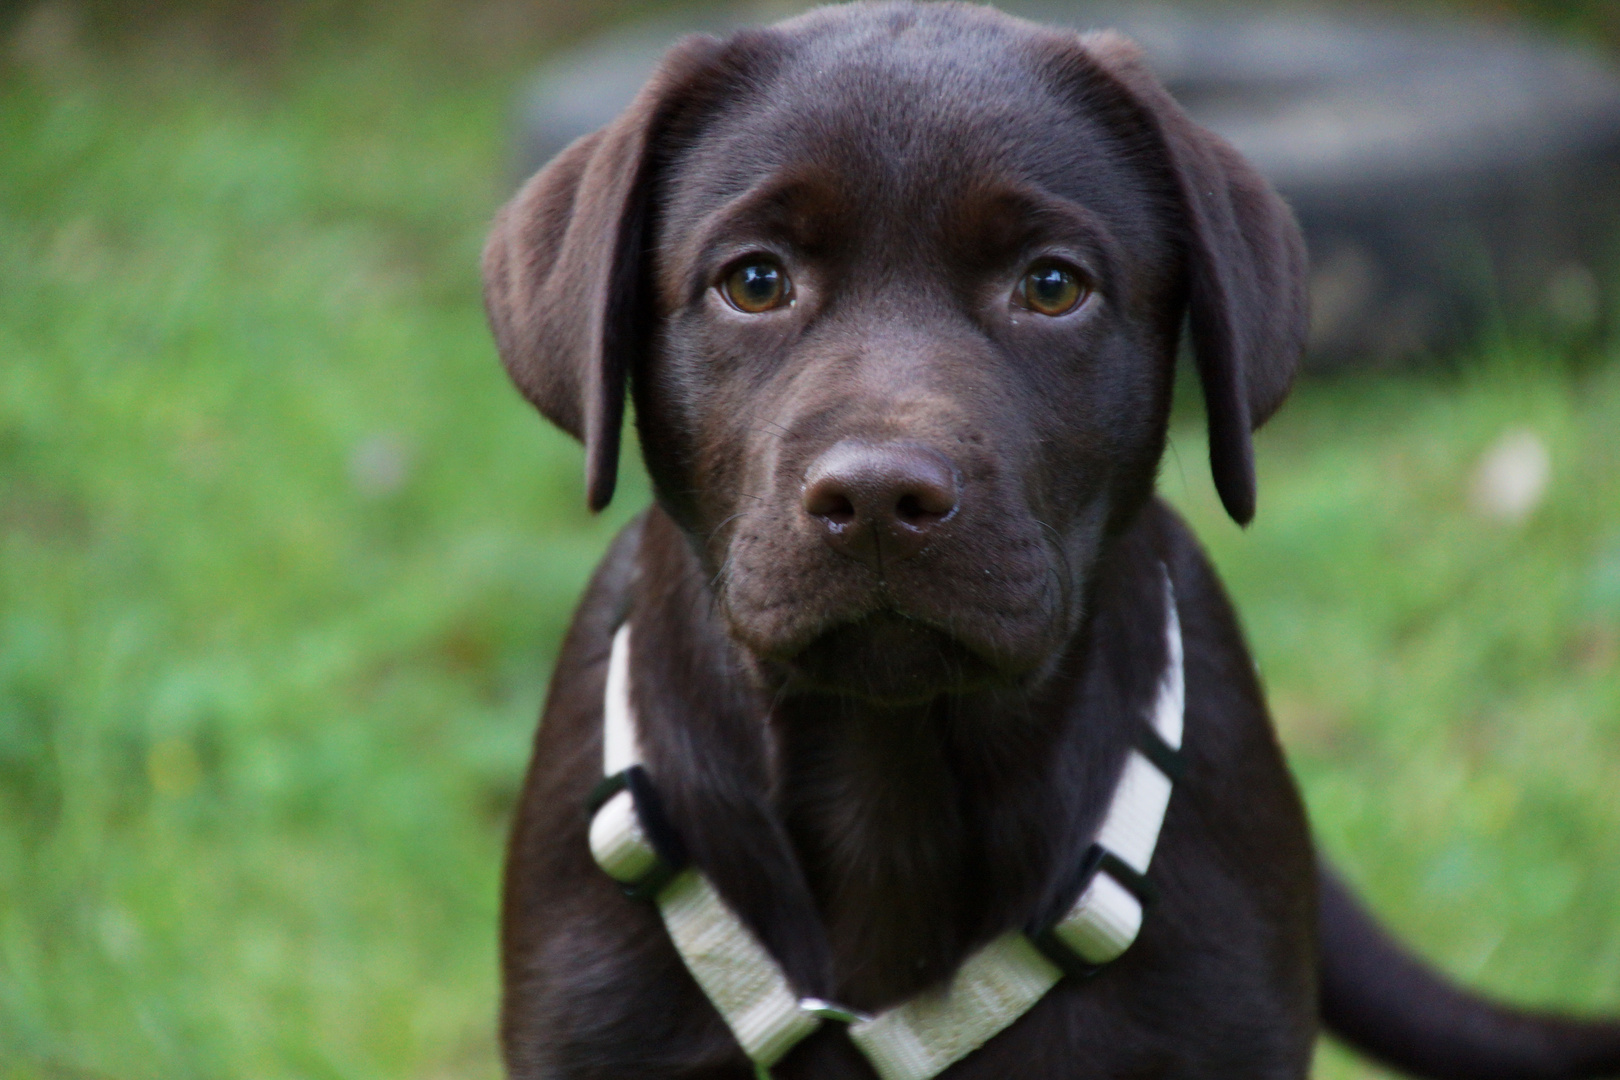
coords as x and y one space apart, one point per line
882 502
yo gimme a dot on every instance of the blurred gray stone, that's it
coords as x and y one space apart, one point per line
1450 176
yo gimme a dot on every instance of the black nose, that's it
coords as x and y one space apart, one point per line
880 503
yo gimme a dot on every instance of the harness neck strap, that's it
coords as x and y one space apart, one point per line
918 1039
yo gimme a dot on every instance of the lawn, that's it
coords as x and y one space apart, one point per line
284 563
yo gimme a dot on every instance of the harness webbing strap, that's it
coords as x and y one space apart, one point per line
620 746
1106 918
736 973
920 1038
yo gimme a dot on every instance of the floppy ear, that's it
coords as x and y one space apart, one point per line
1247 298
563 281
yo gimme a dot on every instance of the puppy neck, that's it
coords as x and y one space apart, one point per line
872 847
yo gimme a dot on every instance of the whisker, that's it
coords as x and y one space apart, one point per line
1066 581
770 427
721 576
724 522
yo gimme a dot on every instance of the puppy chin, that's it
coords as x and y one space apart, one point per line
890 660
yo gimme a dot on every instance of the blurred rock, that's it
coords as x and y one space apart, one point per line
1511 477
1445 172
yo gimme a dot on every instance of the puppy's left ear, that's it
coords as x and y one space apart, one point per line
1247 295
563 280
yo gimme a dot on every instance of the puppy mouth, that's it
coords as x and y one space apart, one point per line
990 610
890 659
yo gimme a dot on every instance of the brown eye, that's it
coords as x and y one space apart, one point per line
1050 289
757 286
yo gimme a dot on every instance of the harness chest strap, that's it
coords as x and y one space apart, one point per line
920 1038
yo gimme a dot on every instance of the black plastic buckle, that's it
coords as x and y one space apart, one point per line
1166 758
1049 945
665 841
1097 858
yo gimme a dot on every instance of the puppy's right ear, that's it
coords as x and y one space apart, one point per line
563 280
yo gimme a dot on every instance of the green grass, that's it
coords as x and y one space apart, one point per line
283 564
284 561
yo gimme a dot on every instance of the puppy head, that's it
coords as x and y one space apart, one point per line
898 289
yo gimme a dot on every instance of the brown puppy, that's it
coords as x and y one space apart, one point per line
898 290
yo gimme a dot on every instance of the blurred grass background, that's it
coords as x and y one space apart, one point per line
284 563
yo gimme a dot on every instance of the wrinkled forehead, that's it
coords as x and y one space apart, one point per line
899 122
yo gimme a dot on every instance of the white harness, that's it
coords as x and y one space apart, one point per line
917 1039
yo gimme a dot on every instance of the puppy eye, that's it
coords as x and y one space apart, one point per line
1049 288
757 286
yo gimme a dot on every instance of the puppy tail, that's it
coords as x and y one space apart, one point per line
1391 1006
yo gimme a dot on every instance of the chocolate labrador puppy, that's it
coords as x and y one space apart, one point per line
897 290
